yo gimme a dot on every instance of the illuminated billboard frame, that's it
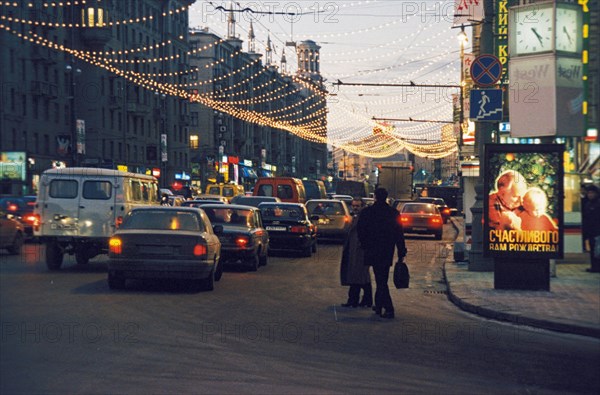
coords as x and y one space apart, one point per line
523 201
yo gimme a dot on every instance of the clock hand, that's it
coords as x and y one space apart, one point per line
537 35
567 33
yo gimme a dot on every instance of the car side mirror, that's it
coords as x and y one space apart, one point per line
218 229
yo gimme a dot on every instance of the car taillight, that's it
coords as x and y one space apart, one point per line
242 241
299 229
404 219
436 220
447 211
199 250
115 246
119 222
31 218
347 218
12 207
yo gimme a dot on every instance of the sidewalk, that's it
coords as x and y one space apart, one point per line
572 305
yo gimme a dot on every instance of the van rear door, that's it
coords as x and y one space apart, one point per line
97 207
58 206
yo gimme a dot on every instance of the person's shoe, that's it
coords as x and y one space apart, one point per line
377 310
349 304
388 314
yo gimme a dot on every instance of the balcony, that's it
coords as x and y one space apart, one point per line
96 37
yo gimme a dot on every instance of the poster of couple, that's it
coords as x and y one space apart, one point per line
523 207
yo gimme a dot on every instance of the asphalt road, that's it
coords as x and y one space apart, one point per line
279 330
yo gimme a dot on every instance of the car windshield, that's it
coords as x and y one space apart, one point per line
162 220
279 213
325 208
418 209
229 216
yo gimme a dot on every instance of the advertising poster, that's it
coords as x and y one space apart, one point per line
523 205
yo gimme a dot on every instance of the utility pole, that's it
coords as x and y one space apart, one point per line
477 262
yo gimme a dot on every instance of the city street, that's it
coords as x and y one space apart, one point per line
279 330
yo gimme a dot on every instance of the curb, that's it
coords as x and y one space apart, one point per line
501 313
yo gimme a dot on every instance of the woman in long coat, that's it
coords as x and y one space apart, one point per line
353 271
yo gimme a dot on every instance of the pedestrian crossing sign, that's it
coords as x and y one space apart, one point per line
486 105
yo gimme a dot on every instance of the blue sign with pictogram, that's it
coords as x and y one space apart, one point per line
486 105
486 70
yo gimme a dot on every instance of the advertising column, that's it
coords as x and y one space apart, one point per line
523 213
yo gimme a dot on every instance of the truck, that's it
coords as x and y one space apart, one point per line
397 178
352 188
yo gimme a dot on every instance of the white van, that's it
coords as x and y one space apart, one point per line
80 208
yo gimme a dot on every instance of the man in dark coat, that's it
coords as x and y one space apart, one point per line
590 218
379 231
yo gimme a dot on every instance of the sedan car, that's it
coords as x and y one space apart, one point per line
165 242
253 200
422 218
244 239
334 218
212 197
22 208
289 227
11 233
200 203
440 204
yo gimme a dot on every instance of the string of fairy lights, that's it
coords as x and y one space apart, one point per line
317 117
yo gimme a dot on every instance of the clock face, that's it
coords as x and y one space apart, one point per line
567 30
533 30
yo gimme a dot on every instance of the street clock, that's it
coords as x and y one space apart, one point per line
531 29
545 27
568 28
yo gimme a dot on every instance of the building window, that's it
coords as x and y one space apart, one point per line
194 141
46 144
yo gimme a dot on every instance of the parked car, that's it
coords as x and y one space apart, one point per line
289 227
422 218
11 233
165 242
334 218
440 204
200 203
22 208
244 240
254 201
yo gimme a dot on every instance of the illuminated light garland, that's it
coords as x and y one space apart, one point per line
45 5
82 25
313 131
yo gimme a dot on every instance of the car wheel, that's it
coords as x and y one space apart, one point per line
17 243
81 257
116 281
264 259
208 284
219 270
253 263
54 256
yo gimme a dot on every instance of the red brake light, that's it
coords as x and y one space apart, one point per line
436 220
199 250
242 241
119 222
404 219
347 218
115 245
299 229
12 207
31 218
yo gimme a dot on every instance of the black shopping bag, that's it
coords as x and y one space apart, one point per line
401 275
